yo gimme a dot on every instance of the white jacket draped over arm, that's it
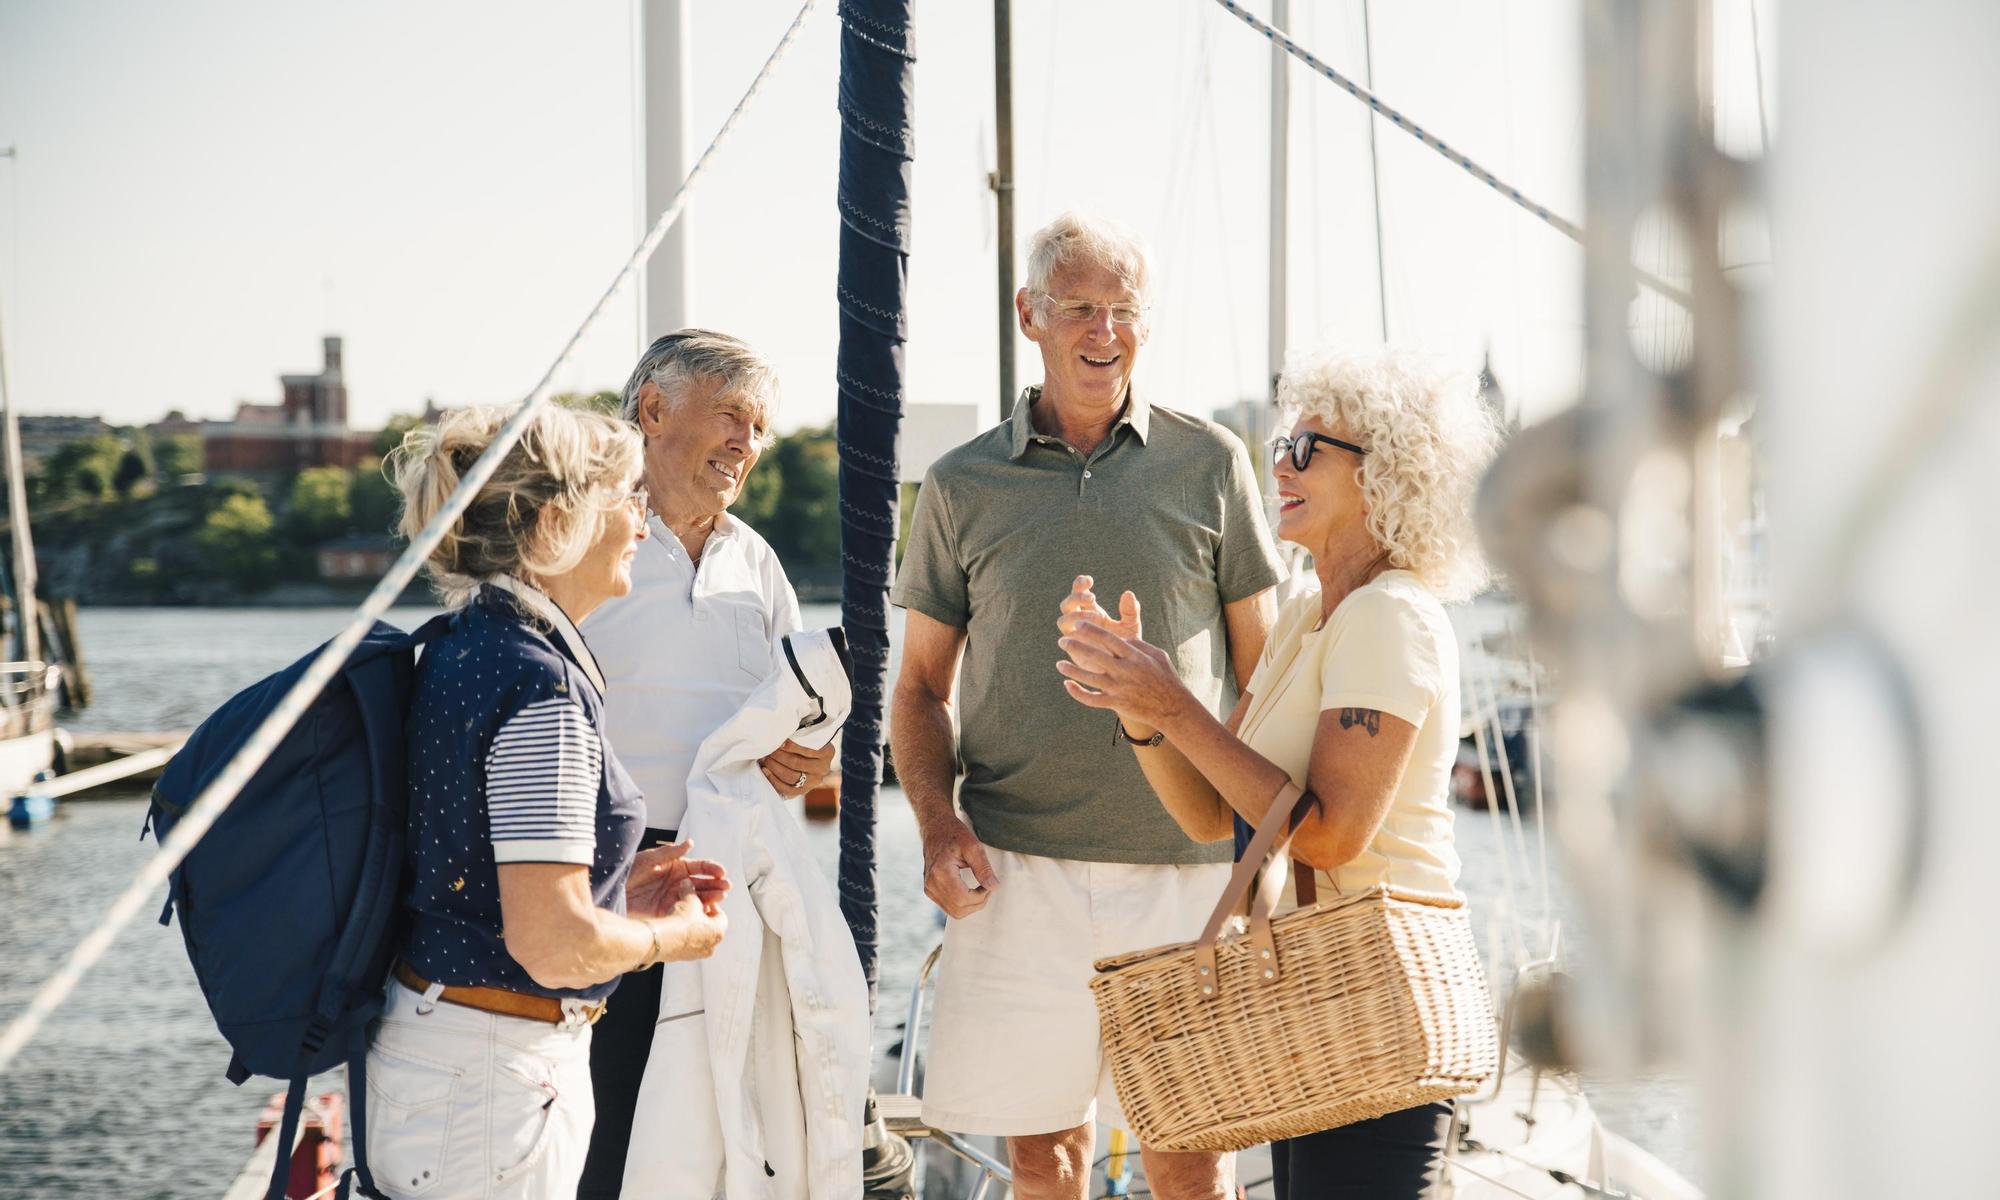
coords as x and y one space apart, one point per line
759 1069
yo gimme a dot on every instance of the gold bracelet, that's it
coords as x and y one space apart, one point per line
653 958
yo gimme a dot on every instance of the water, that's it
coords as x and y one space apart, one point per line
123 1090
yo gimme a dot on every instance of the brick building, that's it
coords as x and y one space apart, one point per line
357 556
308 428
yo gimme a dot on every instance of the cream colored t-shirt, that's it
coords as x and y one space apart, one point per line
1387 646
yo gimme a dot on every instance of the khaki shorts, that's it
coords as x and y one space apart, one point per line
1014 1047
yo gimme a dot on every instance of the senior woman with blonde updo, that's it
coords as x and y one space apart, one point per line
1355 699
525 898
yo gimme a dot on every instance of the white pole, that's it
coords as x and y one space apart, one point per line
26 617
1281 112
664 38
1375 176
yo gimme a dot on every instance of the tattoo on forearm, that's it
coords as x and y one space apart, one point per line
1367 718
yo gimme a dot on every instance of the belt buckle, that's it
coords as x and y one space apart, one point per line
577 1014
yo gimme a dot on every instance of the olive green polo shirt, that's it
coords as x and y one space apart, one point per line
1166 507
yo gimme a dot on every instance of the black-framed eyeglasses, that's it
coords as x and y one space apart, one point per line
1300 448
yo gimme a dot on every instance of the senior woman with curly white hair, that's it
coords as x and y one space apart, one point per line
1356 697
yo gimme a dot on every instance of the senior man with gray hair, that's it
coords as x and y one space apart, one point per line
1062 855
687 646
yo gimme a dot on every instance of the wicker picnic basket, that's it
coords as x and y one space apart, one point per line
1364 1005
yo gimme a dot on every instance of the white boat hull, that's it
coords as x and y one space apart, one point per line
24 757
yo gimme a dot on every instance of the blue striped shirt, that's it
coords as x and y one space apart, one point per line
508 764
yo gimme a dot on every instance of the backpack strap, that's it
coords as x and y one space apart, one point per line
431 630
375 893
358 1175
281 1171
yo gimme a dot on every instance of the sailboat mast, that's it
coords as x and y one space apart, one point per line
1003 191
26 633
1281 112
664 35
1375 175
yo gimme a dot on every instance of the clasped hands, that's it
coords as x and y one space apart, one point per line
1111 665
665 882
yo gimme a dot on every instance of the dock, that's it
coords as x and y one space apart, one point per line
98 760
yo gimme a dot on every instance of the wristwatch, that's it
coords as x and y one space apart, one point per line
1118 735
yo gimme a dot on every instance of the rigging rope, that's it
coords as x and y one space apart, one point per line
1541 804
216 798
1513 809
1562 225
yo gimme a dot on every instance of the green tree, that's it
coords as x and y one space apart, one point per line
132 471
606 401
757 504
83 469
808 514
177 455
235 541
317 507
392 433
793 499
372 501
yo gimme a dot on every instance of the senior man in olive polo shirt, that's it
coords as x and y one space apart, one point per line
1062 853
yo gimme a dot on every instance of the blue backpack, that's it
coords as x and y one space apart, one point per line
289 902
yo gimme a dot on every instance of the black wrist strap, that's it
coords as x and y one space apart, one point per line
1118 735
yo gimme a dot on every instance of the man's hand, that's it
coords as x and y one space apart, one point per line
949 846
794 770
663 877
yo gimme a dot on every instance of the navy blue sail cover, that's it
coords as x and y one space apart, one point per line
876 111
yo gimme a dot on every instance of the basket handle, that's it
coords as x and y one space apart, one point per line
1258 863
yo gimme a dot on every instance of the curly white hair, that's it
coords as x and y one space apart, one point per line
1429 439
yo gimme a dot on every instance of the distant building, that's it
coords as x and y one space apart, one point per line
308 428
43 436
357 556
174 424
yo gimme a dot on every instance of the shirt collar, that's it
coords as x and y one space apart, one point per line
537 602
1021 427
725 529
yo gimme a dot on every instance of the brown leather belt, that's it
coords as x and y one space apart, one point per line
497 1000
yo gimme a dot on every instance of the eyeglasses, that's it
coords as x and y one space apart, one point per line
1080 311
636 498
1300 448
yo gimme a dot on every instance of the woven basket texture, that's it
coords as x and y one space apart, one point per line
1380 1004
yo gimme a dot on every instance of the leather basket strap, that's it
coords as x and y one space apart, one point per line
1258 864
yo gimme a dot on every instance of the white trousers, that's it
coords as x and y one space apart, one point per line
1014 1043
470 1105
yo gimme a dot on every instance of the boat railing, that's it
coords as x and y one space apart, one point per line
28 673
905 1104
1547 963
28 691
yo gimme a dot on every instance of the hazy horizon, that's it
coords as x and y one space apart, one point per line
206 189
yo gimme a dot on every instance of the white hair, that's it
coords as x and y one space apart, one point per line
678 359
1429 439
1075 238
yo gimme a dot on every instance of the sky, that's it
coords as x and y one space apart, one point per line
202 190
